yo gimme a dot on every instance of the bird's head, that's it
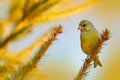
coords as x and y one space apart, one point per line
85 25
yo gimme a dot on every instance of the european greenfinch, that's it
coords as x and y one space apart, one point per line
90 39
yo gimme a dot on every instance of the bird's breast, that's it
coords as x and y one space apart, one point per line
89 41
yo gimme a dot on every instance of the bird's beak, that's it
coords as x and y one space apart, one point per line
80 28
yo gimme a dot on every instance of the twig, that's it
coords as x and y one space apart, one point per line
32 63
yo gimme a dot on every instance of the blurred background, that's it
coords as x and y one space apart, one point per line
64 58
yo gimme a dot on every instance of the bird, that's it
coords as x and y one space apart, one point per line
89 39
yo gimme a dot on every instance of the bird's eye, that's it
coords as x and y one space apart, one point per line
84 25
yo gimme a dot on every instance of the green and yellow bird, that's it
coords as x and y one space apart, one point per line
89 40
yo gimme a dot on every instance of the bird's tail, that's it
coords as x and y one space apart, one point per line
97 62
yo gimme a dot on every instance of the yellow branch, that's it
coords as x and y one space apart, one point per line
76 9
27 51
